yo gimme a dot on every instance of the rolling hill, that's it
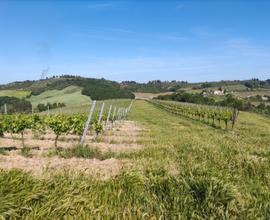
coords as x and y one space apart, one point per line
71 96
15 93
73 91
76 91
98 89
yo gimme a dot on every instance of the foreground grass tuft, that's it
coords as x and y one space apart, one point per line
85 152
3 151
26 152
131 195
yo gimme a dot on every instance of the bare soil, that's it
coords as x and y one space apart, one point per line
123 137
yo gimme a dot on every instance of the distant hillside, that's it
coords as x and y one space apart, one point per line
101 89
71 96
158 86
98 89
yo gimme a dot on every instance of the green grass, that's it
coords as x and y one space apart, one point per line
260 92
188 171
71 96
26 152
237 87
15 93
3 151
85 152
84 108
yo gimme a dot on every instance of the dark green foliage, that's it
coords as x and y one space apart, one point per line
2 151
231 101
97 89
207 85
155 86
15 105
262 107
188 97
256 83
42 107
2 127
103 89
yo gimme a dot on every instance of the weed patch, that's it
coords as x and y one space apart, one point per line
85 152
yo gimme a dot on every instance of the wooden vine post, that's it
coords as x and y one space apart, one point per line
108 117
113 117
87 124
101 112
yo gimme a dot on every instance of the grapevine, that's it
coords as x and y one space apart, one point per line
199 112
60 124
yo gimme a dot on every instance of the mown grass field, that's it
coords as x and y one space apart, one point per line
261 92
85 107
147 95
71 96
14 93
187 170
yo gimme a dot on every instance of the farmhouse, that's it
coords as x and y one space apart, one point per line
219 92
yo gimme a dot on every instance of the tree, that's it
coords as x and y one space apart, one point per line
41 107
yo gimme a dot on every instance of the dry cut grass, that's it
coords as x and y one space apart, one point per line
96 158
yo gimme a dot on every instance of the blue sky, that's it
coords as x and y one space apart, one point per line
135 40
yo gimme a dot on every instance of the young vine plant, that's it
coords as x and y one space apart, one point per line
59 124
205 113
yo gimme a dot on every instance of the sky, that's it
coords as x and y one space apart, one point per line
135 40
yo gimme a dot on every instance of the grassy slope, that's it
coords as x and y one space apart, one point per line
71 96
253 93
143 95
188 169
239 159
14 93
85 107
95 88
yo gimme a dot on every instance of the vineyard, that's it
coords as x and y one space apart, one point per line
212 115
134 110
79 124
140 163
